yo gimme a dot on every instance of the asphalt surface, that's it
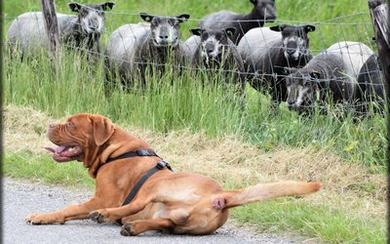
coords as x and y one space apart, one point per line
21 198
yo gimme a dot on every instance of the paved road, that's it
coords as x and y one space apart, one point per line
21 198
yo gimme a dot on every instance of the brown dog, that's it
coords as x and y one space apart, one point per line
179 202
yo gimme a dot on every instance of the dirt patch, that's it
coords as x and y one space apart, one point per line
346 186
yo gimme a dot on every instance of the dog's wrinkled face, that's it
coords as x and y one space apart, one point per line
79 137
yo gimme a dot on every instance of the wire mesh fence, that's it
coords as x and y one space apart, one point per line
329 31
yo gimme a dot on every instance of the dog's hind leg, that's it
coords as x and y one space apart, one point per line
139 226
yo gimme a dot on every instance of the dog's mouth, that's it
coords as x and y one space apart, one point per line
65 153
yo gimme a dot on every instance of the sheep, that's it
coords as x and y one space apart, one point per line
134 48
120 51
217 52
263 11
371 83
28 33
331 75
267 51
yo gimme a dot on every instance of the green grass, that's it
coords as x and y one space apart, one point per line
187 105
356 27
320 221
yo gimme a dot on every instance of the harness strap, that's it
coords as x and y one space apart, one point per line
140 153
159 166
136 153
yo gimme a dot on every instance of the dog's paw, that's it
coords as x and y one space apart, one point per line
99 216
43 219
128 230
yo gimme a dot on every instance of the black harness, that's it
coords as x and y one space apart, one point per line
141 153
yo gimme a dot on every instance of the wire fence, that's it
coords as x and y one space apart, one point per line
355 58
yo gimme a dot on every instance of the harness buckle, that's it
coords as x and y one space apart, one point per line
161 164
144 153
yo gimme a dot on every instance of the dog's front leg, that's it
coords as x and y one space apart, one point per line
113 214
77 211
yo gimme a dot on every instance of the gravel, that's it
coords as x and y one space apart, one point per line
22 197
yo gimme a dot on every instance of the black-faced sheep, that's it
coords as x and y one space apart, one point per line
331 75
263 11
267 51
217 53
371 83
135 48
27 32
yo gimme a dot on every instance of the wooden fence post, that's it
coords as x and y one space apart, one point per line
379 11
51 24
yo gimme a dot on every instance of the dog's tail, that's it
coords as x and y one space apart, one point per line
261 192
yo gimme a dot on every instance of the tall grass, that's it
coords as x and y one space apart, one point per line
187 104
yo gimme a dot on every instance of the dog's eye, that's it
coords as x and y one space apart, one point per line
70 125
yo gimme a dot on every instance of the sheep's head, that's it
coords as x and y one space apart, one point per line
214 42
91 17
165 30
265 9
302 89
295 40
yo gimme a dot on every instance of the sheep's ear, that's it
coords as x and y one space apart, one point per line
309 28
278 28
182 18
196 31
75 7
230 31
107 6
146 17
253 1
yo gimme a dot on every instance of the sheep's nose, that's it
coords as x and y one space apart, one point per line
290 103
163 37
270 17
209 48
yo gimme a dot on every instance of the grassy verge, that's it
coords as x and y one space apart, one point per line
313 220
188 105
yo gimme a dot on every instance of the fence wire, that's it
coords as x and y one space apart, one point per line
361 29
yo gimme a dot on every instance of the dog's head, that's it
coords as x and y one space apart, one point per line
82 137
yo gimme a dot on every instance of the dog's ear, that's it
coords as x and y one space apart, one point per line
103 129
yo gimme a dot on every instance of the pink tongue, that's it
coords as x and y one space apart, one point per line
50 149
60 149
56 150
